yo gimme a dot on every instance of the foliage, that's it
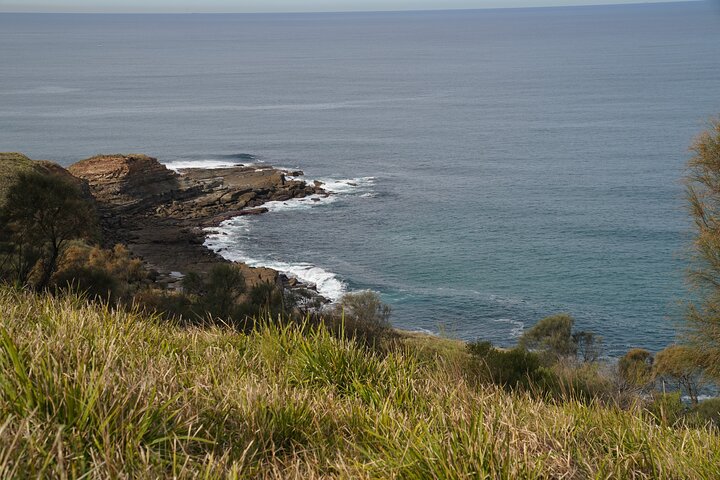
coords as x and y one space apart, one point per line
703 193
666 409
42 213
222 290
681 364
585 382
362 316
92 392
589 346
706 412
552 336
635 368
268 299
106 274
511 369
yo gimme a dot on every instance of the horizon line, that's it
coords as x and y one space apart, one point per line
300 12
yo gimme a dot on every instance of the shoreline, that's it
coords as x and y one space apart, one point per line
163 215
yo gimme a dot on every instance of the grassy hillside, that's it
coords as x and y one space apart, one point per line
10 165
90 392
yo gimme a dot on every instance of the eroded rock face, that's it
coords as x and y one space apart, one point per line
127 180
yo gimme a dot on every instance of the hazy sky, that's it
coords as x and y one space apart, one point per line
274 5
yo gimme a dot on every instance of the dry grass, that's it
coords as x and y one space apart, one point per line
88 392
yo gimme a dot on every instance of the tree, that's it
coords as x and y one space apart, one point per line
636 368
224 287
703 193
681 364
552 335
589 345
44 212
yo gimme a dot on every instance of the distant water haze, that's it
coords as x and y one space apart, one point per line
491 167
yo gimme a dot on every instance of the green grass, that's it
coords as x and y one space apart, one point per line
90 392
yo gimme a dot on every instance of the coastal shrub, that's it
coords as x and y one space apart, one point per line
515 368
585 381
589 346
42 213
306 302
95 283
364 317
706 412
682 366
667 409
168 305
222 291
215 297
552 336
268 300
105 274
703 194
635 368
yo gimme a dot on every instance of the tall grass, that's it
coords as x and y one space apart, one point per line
90 392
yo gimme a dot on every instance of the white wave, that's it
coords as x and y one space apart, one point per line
208 164
516 326
223 241
299 203
327 283
228 238
347 185
424 331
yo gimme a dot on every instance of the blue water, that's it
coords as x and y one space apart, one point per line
523 162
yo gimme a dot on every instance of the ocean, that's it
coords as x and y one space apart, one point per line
491 167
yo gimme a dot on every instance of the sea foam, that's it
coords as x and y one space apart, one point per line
229 238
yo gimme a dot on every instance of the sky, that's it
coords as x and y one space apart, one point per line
252 6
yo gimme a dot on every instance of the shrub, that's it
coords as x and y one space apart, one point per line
364 317
516 368
43 213
706 412
589 346
635 368
666 408
552 336
682 365
105 274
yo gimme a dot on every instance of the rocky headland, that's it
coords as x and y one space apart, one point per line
160 214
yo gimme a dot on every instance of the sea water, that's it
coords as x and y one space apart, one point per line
490 167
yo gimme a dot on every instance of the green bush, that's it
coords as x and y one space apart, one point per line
706 412
635 368
552 336
363 317
516 368
666 408
41 215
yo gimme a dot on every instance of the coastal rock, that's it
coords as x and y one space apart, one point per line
160 214
253 211
127 180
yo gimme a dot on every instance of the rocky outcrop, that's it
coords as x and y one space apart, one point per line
127 181
160 214
12 164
